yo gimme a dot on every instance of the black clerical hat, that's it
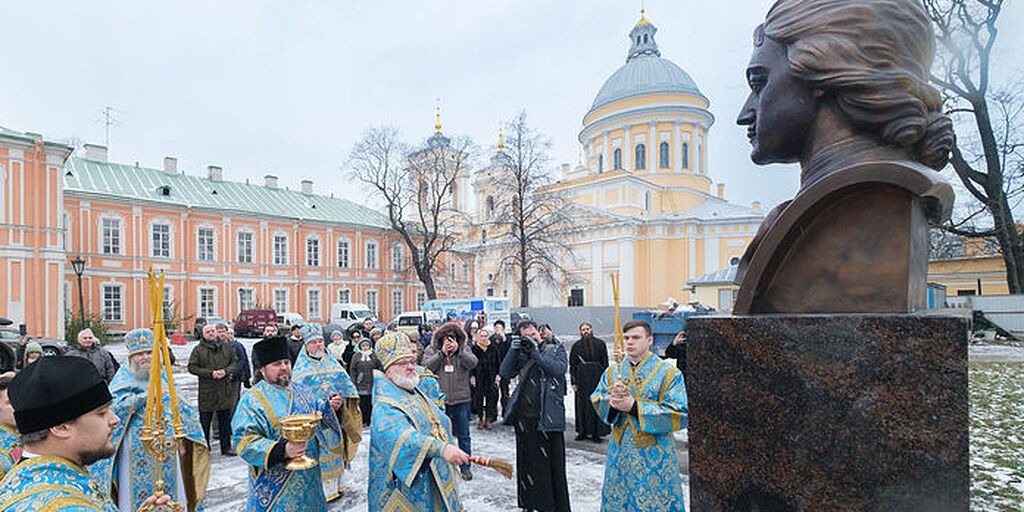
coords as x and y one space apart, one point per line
271 349
55 390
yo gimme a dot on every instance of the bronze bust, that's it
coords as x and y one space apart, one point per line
841 86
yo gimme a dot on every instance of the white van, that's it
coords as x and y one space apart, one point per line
346 314
410 321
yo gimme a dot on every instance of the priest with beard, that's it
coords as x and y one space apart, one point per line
588 359
411 453
258 436
128 476
321 373
62 408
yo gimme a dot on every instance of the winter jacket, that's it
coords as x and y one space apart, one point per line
552 360
454 384
214 394
488 362
361 372
100 358
242 372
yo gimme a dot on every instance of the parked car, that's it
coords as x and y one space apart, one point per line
286 320
203 321
9 347
250 322
348 313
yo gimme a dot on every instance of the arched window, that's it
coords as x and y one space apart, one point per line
617 158
645 38
600 163
663 155
686 155
640 158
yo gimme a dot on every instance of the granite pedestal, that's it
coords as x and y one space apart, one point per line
828 412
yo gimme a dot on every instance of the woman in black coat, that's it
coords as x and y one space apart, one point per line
483 378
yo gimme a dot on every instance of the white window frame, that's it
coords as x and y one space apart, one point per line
397 257
375 302
344 253
118 241
312 251
397 302
314 306
108 312
371 259
280 252
252 298
212 252
344 295
465 271
244 251
285 307
199 301
153 245
421 299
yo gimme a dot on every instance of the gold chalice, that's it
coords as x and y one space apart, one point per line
300 428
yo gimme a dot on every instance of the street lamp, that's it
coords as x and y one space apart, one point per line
78 265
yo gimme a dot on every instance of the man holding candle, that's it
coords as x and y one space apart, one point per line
129 474
644 399
260 441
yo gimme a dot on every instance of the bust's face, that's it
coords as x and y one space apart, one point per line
781 109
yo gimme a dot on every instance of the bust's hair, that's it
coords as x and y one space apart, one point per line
872 59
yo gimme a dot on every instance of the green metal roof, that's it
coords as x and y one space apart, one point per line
28 137
144 184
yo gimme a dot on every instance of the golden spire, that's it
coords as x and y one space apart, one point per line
501 142
437 118
643 20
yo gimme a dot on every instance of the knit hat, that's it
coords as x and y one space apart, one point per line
33 347
392 347
312 332
337 332
271 350
139 340
55 390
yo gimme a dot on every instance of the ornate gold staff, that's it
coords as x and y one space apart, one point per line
618 342
155 440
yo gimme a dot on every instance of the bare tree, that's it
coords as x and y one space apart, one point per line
537 224
417 186
988 157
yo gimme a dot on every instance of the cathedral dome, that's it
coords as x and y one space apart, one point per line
645 72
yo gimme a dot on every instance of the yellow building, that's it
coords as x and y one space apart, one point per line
982 274
644 188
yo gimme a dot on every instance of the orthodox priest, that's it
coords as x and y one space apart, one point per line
10 446
62 407
644 399
411 454
321 373
588 359
129 474
257 433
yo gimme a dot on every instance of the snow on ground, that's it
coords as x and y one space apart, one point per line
487 492
993 353
997 435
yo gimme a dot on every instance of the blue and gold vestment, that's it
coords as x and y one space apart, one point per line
408 435
257 428
642 472
9 449
49 484
430 386
136 479
326 377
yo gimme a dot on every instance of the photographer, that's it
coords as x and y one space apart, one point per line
537 411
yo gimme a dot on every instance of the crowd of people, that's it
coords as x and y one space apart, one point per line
418 396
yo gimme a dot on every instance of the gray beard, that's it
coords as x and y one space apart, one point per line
140 372
407 384
317 355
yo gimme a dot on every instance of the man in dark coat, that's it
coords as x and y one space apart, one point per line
501 342
242 374
295 343
587 362
213 360
537 412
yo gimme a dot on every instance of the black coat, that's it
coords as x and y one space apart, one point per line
552 361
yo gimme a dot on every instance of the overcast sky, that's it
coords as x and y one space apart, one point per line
287 88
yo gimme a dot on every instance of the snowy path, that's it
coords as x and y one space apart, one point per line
487 492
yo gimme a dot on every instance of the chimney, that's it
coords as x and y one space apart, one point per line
96 153
270 181
170 165
756 205
214 173
721 190
307 186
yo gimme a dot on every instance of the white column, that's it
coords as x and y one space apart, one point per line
627 150
627 274
677 146
596 279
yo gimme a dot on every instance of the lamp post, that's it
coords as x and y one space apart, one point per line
78 265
